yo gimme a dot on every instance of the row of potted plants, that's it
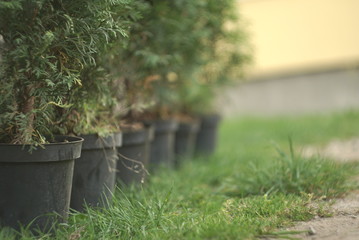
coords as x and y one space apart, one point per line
83 74
52 181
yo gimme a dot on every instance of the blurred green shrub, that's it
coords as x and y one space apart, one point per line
179 54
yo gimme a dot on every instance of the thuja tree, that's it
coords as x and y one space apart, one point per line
218 56
92 109
143 66
47 44
180 53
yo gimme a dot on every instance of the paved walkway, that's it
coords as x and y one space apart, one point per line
344 224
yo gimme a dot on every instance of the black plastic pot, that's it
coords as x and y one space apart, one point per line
185 139
95 172
32 185
206 142
163 144
134 155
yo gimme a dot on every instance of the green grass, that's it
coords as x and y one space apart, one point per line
256 183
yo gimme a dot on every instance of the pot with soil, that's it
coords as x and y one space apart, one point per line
206 142
185 139
33 185
134 155
163 144
95 172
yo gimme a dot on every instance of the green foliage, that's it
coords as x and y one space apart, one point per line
47 46
10 5
179 53
57 57
218 59
93 105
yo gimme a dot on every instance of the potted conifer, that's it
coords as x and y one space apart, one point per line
179 51
133 154
50 49
217 56
142 74
92 112
41 60
185 52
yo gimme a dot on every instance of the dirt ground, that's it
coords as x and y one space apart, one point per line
344 224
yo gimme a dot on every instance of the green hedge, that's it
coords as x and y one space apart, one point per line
72 67
48 44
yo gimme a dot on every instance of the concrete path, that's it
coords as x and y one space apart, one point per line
344 224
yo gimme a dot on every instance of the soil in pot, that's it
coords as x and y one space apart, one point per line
185 140
35 185
95 172
134 155
163 144
206 142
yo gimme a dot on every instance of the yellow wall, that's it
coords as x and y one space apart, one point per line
297 35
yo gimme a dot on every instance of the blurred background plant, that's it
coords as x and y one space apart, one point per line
217 55
178 54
